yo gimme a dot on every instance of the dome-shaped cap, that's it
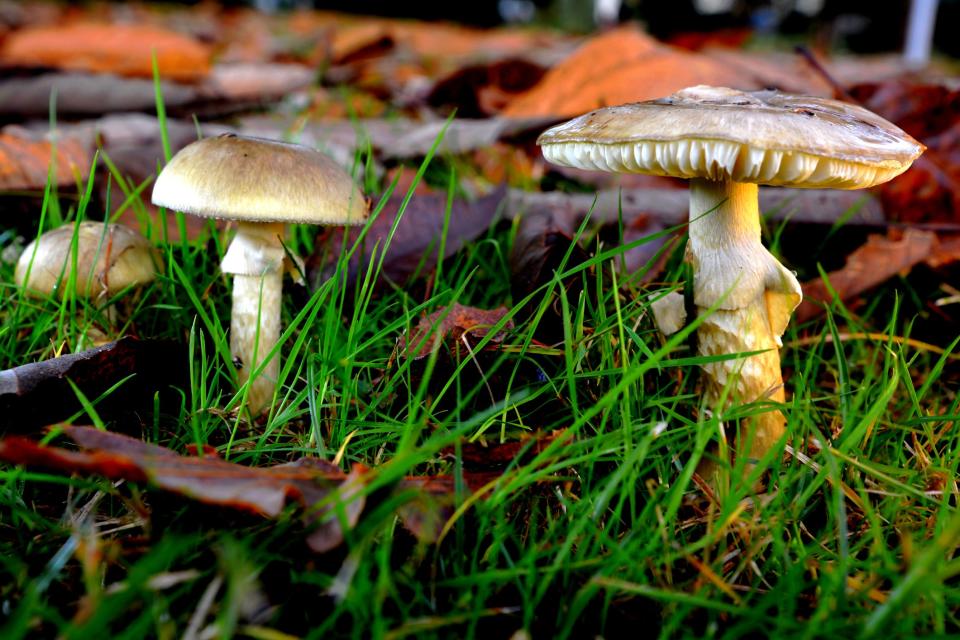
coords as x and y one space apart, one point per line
764 137
258 180
108 260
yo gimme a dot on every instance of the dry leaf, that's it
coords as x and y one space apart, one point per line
876 261
25 159
37 394
264 491
623 65
320 487
108 48
930 190
450 326
415 244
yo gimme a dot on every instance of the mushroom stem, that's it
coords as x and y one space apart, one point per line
255 257
754 296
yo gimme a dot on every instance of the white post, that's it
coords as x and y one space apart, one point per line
919 39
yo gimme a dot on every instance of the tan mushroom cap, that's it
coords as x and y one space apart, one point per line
258 180
763 137
108 260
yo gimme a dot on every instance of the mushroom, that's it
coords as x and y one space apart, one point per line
263 185
727 142
109 259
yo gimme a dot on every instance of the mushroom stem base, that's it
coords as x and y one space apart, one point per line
253 296
752 296
256 260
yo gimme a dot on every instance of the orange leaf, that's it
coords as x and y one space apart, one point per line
24 161
623 65
104 48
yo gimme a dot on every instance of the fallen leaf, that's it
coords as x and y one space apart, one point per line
108 48
622 65
544 237
86 94
929 191
263 491
878 260
413 249
483 455
450 326
25 159
255 81
483 90
319 487
38 394
947 251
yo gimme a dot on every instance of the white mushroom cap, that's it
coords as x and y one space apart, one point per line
258 180
108 260
763 137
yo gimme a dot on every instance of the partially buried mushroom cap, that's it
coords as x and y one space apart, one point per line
763 137
109 258
258 180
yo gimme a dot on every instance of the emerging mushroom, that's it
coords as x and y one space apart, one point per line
109 259
263 185
727 142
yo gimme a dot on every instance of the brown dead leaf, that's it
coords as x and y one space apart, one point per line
321 488
930 190
622 65
946 252
37 394
481 455
264 491
108 48
878 260
25 159
416 241
450 326
484 89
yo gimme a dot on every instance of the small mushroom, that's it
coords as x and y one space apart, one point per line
263 185
109 259
727 142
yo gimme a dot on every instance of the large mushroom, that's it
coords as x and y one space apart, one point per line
263 185
727 142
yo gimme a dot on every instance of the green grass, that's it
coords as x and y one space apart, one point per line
603 532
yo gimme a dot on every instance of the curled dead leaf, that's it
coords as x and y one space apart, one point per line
451 325
876 261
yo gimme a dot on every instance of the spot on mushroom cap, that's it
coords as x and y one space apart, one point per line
764 137
109 259
258 180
